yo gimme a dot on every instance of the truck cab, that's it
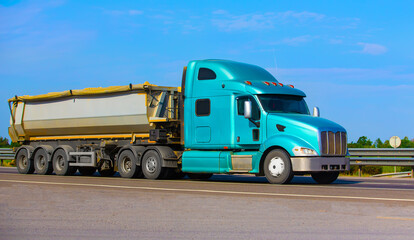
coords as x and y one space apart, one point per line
239 119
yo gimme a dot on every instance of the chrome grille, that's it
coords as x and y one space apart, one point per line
333 143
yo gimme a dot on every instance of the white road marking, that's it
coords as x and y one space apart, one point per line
213 191
396 218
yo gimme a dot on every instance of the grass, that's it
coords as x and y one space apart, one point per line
8 163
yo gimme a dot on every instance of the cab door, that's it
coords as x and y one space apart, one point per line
247 132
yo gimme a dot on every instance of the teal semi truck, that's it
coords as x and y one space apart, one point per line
226 118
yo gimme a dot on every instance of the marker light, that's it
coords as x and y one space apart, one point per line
248 83
266 83
291 86
274 84
280 84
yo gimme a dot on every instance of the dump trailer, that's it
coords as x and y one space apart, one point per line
226 118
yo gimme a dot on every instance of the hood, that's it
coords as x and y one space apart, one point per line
305 121
305 127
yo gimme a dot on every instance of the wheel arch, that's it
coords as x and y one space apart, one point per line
29 150
168 157
264 155
48 149
138 152
65 148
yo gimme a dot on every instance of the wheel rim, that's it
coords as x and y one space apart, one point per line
126 164
151 164
23 162
41 162
60 163
276 166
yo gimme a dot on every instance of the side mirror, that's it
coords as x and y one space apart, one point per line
316 112
247 109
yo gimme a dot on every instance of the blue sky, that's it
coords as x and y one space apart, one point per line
354 59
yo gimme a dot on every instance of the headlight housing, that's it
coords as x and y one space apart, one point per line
302 151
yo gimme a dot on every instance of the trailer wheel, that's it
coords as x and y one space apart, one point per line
23 163
325 177
87 171
41 163
200 176
152 165
277 167
127 165
61 164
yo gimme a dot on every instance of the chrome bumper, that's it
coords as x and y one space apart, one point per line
320 164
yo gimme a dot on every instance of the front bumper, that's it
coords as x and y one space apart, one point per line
320 164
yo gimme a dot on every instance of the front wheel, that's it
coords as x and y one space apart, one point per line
278 167
325 177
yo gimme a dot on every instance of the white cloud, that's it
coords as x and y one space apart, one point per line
372 48
294 41
131 12
258 21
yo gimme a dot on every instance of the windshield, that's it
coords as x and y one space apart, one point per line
276 103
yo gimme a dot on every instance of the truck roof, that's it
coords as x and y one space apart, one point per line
237 74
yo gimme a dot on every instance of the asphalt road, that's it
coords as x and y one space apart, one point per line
224 207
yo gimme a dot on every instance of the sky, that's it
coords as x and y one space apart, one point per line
353 59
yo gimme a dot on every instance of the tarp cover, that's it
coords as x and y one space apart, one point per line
81 92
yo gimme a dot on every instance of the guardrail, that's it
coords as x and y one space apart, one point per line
402 157
358 157
6 154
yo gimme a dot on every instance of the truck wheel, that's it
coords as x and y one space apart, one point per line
23 163
277 167
106 172
127 165
41 163
61 164
325 177
152 165
199 176
87 171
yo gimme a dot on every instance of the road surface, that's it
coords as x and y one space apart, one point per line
224 207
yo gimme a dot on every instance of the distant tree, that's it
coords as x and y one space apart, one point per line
406 143
4 142
363 142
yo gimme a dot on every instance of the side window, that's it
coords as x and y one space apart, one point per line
206 74
202 107
255 107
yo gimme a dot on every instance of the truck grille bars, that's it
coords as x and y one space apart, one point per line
333 144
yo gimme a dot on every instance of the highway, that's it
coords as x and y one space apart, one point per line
223 207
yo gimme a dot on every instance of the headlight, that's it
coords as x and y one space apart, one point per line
301 151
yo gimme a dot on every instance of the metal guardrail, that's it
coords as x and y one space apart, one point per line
358 157
6 154
403 157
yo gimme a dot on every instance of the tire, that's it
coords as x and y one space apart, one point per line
23 163
127 165
106 172
42 164
277 167
152 165
199 176
87 171
325 177
61 164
